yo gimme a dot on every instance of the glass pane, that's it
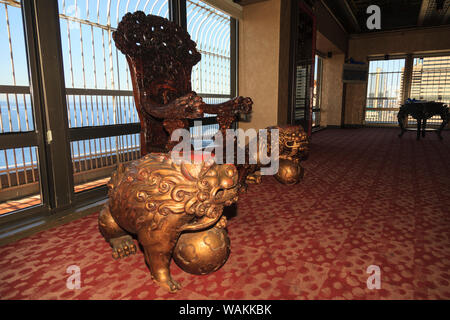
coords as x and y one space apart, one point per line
19 179
384 91
211 30
99 110
16 112
94 160
317 91
19 167
304 68
91 59
98 84
431 81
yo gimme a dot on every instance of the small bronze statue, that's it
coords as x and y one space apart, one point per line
293 148
202 252
157 200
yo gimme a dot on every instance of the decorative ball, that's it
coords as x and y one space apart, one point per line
289 172
202 252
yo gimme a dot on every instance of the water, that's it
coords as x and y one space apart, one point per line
82 113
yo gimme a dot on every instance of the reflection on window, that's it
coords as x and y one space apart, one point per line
431 79
16 111
431 82
317 91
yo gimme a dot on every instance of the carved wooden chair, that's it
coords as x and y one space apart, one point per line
160 55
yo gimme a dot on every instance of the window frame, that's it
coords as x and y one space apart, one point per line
407 79
403 94
317 107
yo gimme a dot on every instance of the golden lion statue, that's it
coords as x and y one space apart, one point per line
294 143
157 200
293 148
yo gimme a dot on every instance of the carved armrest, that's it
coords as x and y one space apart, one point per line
232 107
189 106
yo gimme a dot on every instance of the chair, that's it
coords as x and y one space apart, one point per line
160 55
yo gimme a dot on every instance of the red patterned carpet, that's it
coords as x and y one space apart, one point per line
368 198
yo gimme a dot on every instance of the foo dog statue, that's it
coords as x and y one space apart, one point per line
160 56
293 148
157 200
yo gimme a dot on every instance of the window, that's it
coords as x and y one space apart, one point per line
19 166
64 130
431 81
302 67
317 92
429 78
384 91
211 77
98 85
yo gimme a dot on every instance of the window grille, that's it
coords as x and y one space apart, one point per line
98 84
317 92
102 120
384 91
18 166
431 81
211 30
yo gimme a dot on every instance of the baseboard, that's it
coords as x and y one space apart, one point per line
317 129
360 126
352 126
347 126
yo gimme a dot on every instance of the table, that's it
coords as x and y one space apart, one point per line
421 111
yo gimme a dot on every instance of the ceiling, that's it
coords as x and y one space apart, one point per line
395 14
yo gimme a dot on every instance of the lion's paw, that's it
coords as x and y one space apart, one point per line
122 247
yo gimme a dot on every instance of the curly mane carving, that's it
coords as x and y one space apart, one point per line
293 141
151 188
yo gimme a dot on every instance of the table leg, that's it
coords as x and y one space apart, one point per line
424 126
401 123
445 119
419 122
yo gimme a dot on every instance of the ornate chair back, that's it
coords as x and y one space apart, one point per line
160 55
